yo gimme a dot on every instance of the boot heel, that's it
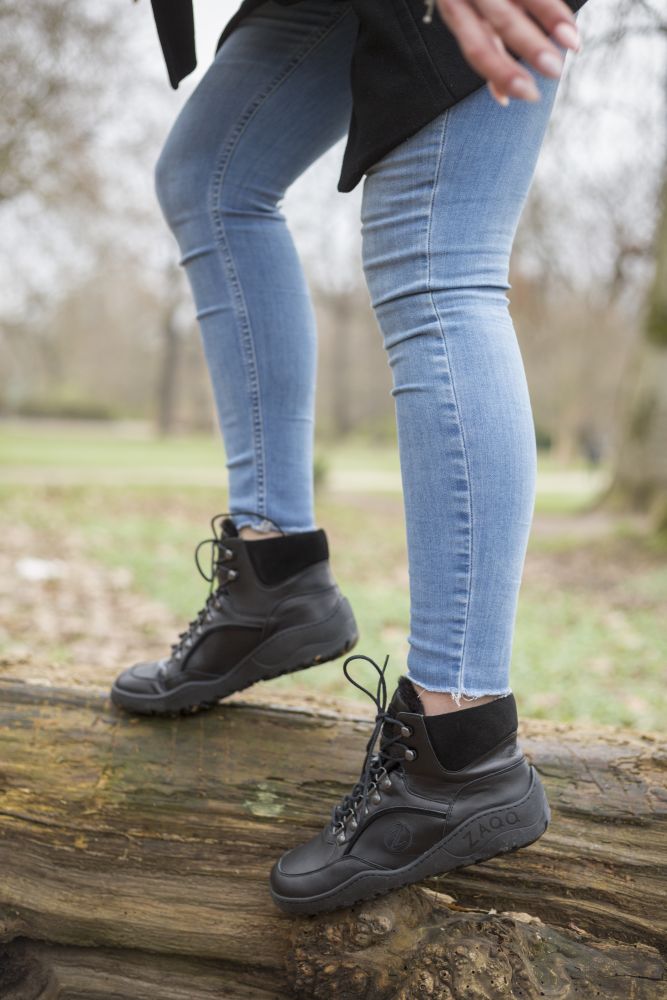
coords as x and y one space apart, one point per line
305 646
503 830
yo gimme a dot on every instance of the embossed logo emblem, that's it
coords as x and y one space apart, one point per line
398 838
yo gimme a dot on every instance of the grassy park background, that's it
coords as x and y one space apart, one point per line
110 461
98 524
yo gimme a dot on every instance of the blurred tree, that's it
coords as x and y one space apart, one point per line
50 94
640 471
81 122
640 475
584 252
171 331
55 97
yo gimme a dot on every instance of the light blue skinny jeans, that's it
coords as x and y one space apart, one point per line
439 214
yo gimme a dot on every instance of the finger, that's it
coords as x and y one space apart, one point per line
522 35
558 20
497 94
486 58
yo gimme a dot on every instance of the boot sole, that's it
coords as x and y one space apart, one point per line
508 828
289 651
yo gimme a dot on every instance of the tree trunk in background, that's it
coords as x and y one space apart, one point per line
135 852
640 474
340 373
171 356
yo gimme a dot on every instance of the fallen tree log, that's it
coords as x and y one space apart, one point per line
140 848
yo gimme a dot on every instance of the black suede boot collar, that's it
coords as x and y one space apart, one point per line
459 738
276 558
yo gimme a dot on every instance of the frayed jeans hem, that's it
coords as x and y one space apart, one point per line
265 526
460 694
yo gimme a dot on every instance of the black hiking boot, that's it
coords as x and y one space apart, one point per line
442 792
276 609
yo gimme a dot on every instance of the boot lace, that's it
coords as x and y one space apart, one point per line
219 554
375 773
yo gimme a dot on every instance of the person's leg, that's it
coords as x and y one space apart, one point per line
447 787
439 215
276 97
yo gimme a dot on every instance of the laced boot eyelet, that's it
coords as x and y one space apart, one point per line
339 833
232 574
410 754
227 554
406 730
349 824
386 784
376 798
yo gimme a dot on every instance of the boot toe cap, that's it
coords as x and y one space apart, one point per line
312 869
142 678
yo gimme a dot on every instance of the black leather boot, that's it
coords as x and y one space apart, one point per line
442 792
276 609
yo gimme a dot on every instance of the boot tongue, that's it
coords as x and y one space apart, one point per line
407 697
229 529
404 699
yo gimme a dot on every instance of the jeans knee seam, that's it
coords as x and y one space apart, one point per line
223 160
443 140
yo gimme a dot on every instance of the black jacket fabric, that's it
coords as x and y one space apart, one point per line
403 72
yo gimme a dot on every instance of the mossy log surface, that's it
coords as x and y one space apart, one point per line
137 850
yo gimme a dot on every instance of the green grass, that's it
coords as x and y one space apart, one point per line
582 660
580 652
131 455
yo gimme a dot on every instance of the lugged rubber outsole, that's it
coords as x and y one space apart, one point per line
534 817
184 700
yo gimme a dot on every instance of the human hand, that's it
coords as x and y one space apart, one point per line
483 27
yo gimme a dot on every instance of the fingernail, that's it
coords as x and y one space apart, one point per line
549 64
567 35
498 96
520 87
